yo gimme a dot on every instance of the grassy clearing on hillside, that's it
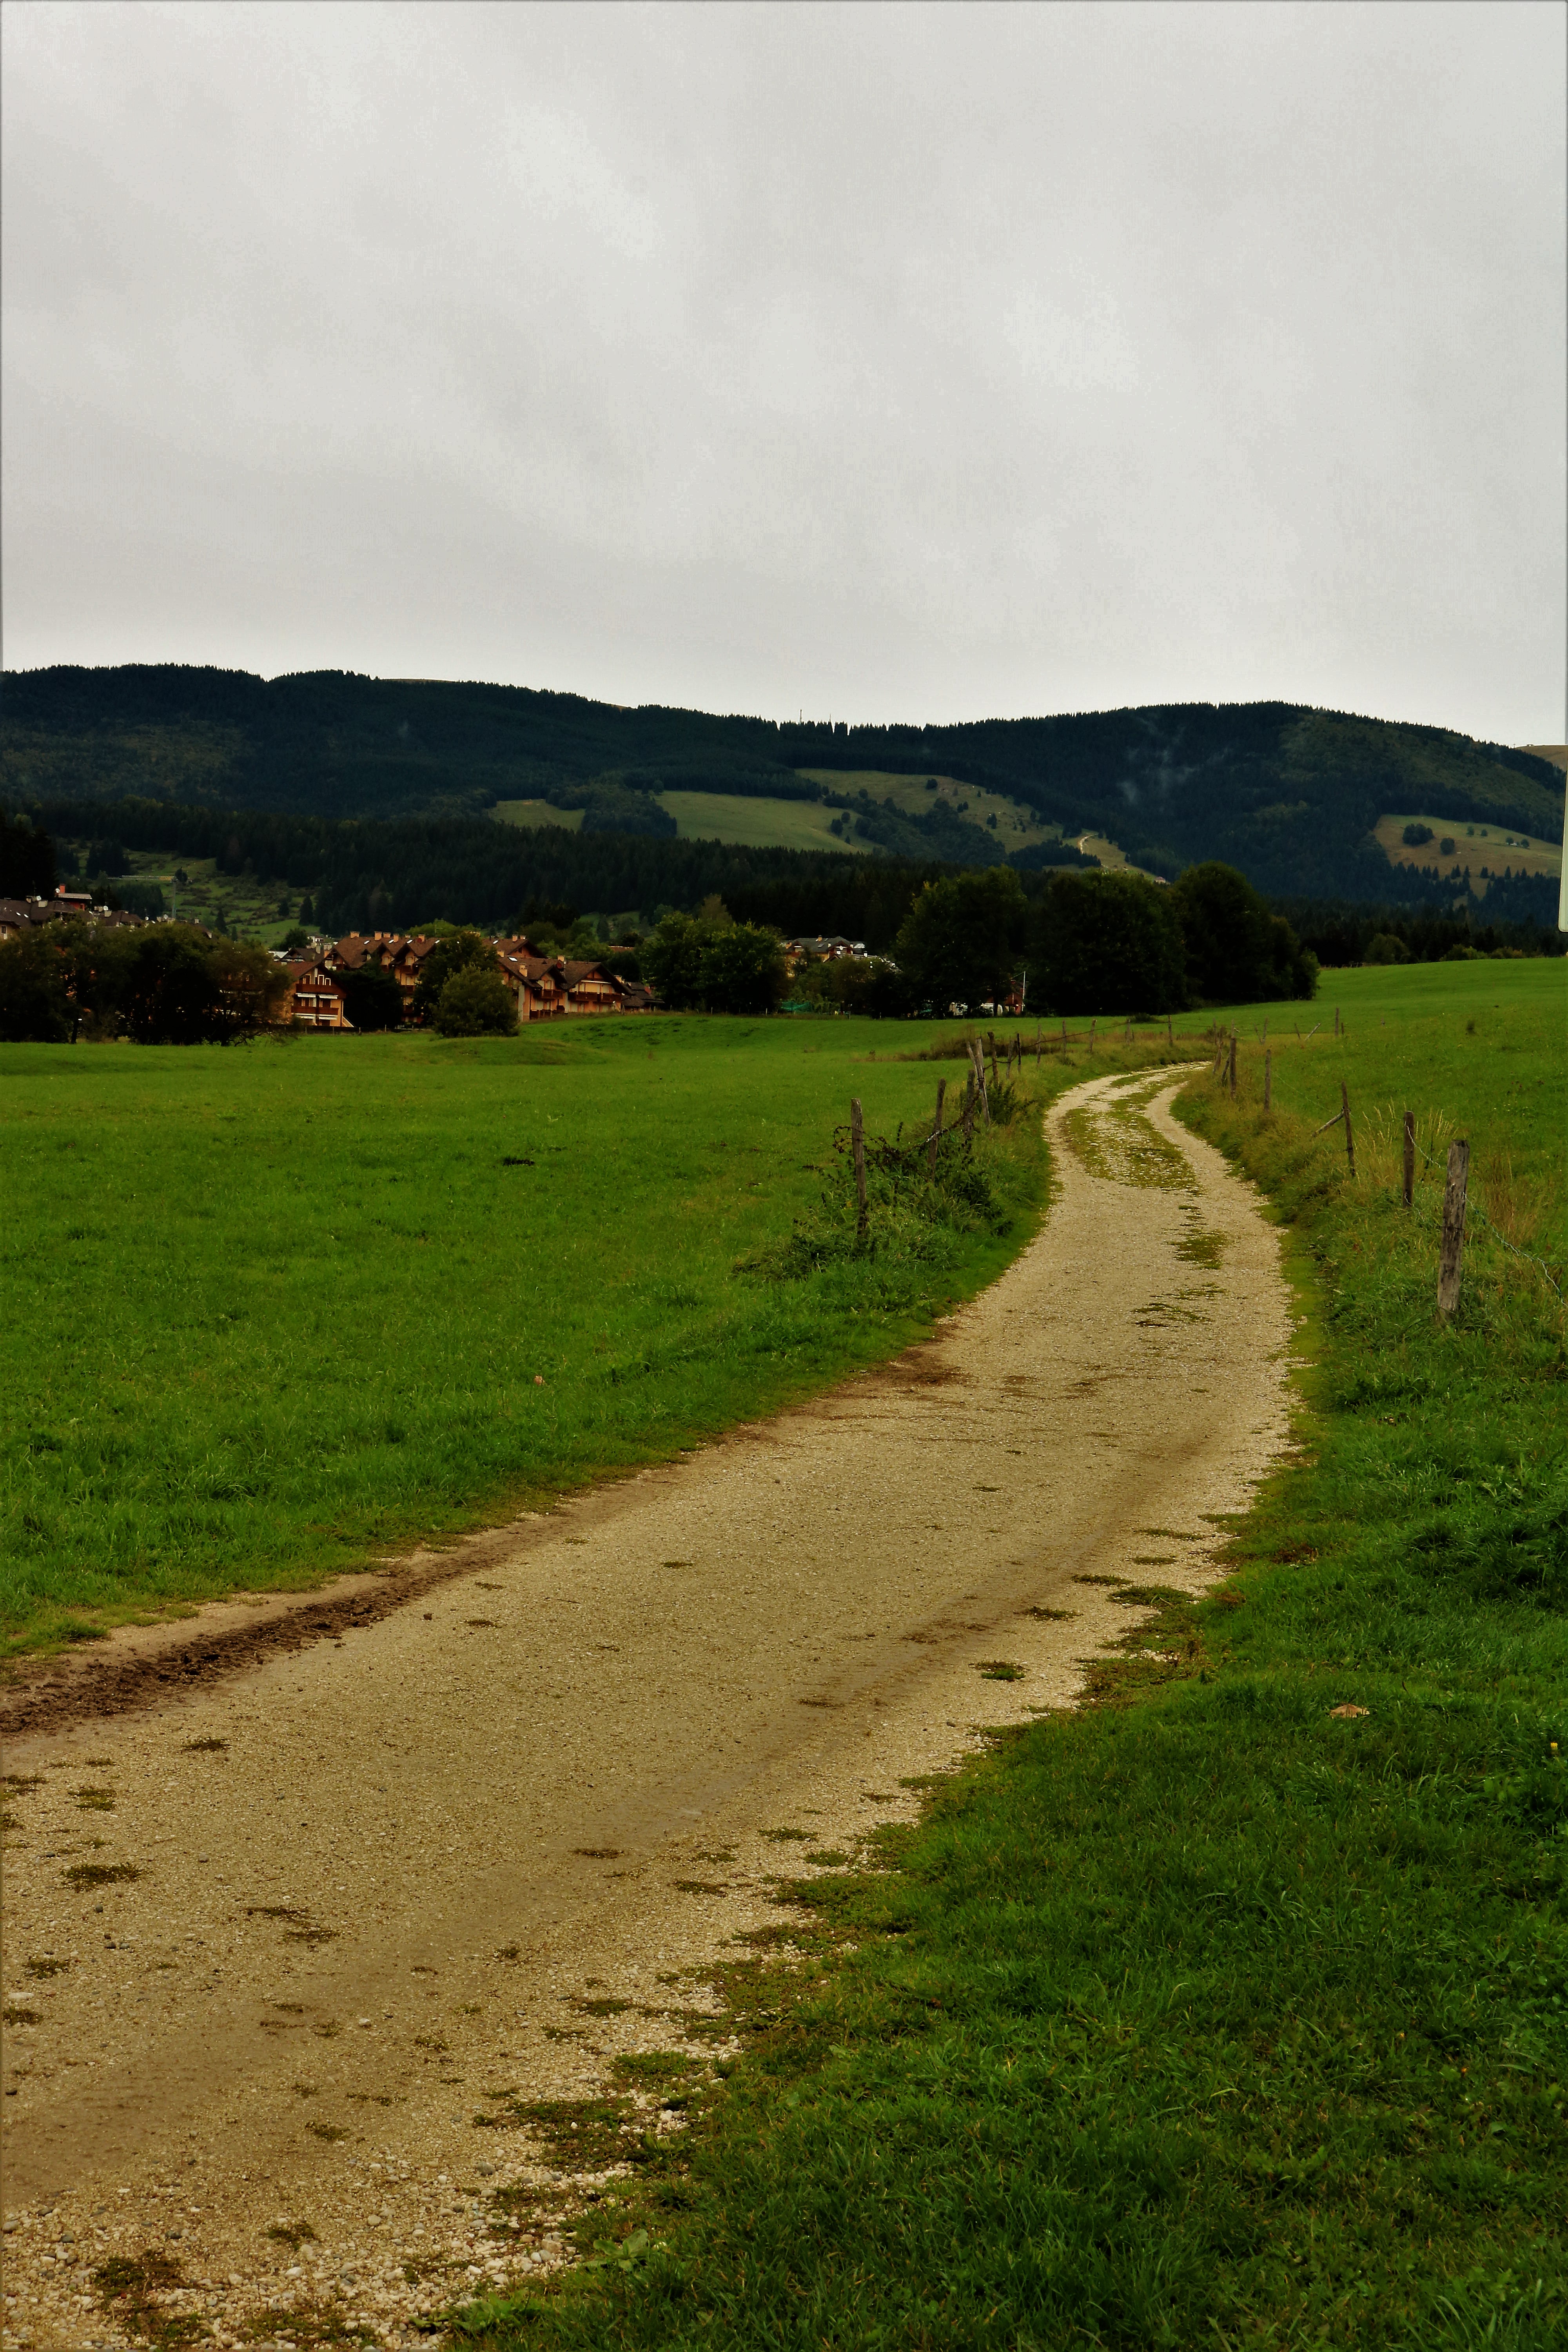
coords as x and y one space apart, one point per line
280 1308
1231 2009
756 824
1018 824
1494 846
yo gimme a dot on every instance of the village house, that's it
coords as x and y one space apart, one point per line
546 987
315 998
822 950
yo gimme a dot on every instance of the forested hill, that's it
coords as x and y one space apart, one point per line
1287 795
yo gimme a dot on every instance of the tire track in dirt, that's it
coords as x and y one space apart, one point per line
459 1854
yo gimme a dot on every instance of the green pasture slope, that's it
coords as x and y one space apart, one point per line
277 1310
1207 2015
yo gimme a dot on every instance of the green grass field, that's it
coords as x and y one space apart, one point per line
1207 2014
755 824
278 1310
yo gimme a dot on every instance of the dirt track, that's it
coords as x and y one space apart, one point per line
423 1860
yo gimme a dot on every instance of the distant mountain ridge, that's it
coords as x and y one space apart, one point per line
1287 793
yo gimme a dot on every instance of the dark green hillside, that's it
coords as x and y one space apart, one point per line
1287 795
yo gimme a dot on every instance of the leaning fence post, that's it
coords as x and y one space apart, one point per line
1409 1157
1452 1227
935 1144
858 1139
1350 1139
1267 1078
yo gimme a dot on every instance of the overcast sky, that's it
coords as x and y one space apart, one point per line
882 361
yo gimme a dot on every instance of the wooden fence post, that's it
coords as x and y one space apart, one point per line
1350 1139
980 1081
1267 1079
1336 1020
857 1140
1409 1157
1092 1027
1169 1032
1453 1247
935 1144
1232 1071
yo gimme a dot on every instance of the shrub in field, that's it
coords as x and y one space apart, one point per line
475 1002
1416 836
1385 948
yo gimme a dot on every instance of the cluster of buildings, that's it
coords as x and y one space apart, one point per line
547 987
25 914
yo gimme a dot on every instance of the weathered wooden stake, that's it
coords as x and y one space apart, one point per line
1350 1137
935 1144
1170 1031
1336 1020
1409 1157
1232 1072
1453 1248
857 1142
980 1082
1267 1079
1092 1027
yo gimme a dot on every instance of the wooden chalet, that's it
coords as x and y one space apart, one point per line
315 998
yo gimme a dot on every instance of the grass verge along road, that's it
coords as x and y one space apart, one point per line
1231 2008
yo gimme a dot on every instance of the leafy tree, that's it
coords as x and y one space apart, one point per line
1236 951
964 938
1109 942
744 969
171 993
1385 947
475 1002
295 941
250 986
35 1002
1416 836
455 951
673 961
371 998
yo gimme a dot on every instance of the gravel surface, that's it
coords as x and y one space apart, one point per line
473 1847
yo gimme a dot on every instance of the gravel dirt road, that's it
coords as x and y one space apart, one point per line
273 1943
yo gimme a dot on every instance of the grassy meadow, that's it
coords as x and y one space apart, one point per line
279 1309
1232 2008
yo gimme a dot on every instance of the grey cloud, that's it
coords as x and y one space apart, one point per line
914 363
